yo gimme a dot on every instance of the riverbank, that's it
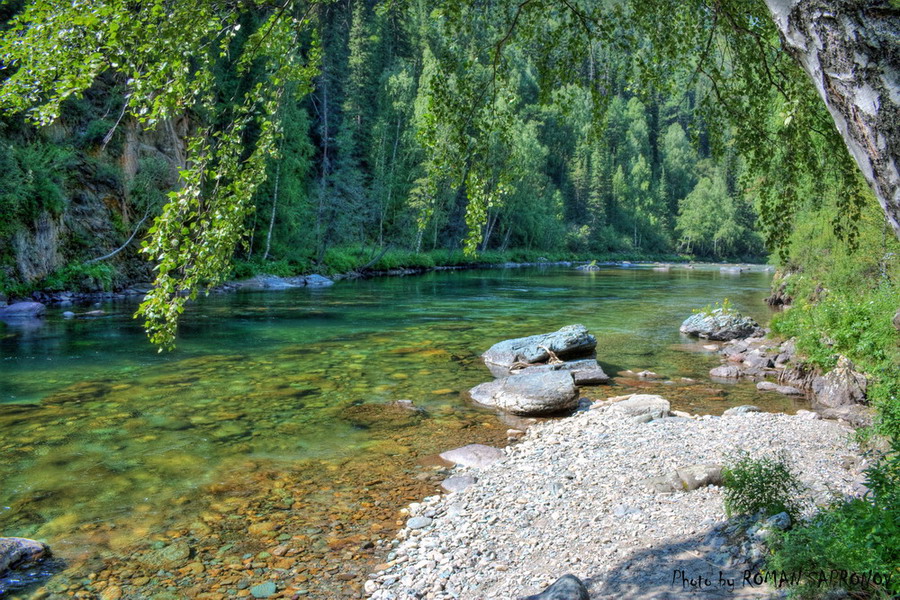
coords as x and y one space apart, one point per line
572 498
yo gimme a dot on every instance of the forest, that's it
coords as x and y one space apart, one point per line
631 171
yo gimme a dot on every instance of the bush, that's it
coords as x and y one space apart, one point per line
858 535
80 278
765 485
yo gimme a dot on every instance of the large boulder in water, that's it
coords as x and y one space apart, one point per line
720 324
20 552
22 310
572 341
529 394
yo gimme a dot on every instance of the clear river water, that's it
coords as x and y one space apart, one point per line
266 448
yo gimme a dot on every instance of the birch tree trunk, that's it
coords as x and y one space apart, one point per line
851 50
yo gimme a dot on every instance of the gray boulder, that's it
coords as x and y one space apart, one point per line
20 552
643 404
572 341
842 386
720 325
473 455
567 587
897 320
529 394
726 372
22 310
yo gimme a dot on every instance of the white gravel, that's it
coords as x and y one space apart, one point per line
569 499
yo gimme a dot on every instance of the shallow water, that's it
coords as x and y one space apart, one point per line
273 412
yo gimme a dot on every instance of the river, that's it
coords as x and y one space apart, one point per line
265 447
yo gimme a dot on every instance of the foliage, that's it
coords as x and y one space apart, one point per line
764 484
857 535
80 278
725 306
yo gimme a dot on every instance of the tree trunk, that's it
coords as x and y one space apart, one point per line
274 209
851 50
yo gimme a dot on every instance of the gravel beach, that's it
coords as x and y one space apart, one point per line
571 498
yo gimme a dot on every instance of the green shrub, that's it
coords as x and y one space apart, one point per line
858 535
80 277
761 484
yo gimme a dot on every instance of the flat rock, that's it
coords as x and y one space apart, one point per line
572 341
473 455
567 587
529 394
18 552
643 404
697 476
720 324
457 483
585 371
22 310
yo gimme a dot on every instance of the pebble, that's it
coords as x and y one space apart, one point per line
263 590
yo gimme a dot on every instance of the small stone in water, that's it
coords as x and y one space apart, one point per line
263 590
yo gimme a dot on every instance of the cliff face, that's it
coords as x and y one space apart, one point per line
71 198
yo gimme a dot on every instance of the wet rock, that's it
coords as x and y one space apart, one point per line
643 404
457 483
720 325
316 280
263 590
571 341
529 394
20 552
741 410
22 310
567 587
590 377
169 557
473 455
68 315
843 386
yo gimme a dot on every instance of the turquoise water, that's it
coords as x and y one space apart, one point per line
110 449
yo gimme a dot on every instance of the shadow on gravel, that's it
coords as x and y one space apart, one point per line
695 567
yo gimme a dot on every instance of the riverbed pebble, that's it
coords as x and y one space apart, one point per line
569 498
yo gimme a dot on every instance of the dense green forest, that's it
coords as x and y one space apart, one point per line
624 170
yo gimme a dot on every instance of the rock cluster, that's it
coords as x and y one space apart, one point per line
839 393
570 498
720 324
533 380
